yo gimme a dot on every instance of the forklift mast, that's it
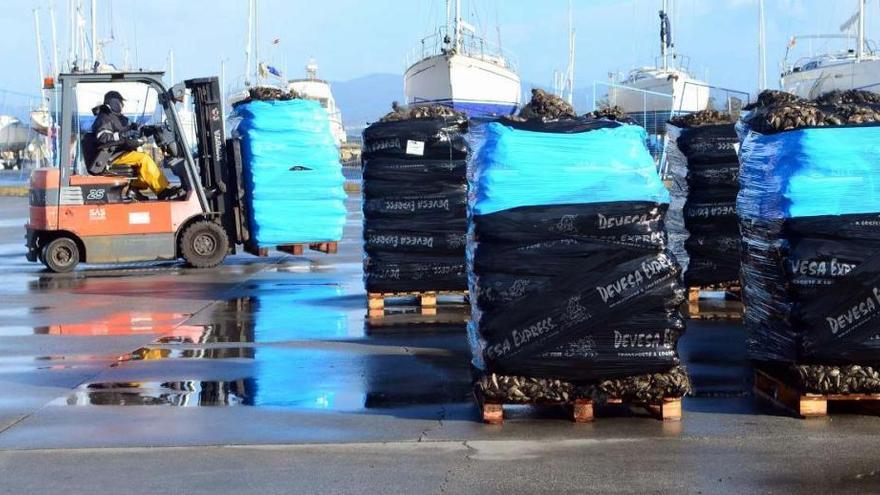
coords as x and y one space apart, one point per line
218 161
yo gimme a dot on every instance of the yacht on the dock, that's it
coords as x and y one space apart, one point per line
664 89
458 68
850 68
314 88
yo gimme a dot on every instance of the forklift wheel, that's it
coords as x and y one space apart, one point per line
61 255
204 244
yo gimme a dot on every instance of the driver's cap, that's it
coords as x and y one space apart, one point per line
112 95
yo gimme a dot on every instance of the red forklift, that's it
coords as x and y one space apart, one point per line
80 216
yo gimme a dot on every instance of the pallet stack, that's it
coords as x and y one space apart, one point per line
702 223
415 209
810 212
571 286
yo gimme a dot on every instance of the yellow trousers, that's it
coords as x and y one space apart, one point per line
149 174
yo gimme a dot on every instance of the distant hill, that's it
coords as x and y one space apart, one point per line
367 98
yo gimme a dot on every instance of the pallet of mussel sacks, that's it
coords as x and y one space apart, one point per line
806 390
312 191
809 213
415 213
702 225
659 394
722 301
575 299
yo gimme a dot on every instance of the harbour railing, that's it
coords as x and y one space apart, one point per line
471 45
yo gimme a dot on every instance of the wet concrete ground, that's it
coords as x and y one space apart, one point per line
262 376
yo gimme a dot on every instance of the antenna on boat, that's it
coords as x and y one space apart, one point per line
762 55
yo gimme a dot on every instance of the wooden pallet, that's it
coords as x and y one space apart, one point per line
427 301
730 308
789 397
330 247
582 410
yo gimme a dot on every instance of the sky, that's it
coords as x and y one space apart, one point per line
353 38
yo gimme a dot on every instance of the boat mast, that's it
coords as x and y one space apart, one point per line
94 33
860 49
665 34
247 49
256 44
39 48
54 39
570 76
762 56
457 25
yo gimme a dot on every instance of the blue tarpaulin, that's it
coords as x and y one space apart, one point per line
292 175
810 172
516 167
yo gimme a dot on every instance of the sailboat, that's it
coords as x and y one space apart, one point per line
663 89
852 68
456 67
257 74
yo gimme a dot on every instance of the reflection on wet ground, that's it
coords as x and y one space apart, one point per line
120 323
276 376
23 364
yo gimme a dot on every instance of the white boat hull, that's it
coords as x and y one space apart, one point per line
14 137
848 75
472 85
660 95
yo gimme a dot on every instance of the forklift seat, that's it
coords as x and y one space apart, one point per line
98 160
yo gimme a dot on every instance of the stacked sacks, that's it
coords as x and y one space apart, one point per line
809 207
702 224
292 177
415 202
568 272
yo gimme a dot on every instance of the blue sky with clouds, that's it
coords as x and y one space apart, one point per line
351 38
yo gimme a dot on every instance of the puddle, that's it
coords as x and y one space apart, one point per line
279 377
24 364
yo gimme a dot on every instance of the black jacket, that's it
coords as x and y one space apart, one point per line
111 131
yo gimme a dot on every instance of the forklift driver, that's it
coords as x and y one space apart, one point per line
112 131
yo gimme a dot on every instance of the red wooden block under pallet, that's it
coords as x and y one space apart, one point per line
789 397
582 409
330 247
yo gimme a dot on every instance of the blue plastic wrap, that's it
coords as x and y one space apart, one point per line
604 165
292 176
810 172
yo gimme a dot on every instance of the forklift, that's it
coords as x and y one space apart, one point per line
82 212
